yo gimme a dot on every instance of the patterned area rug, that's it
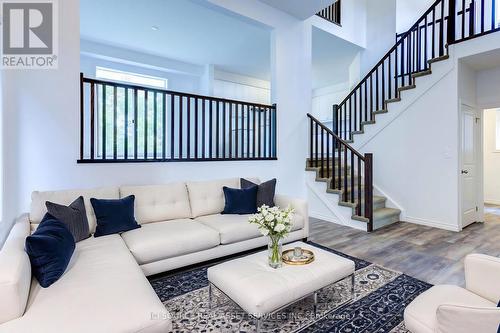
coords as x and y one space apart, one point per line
381 296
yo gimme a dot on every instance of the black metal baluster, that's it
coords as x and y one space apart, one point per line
425 45
188 127
104 122
115 120
155 124
322 170
316 150
433 32
383 85
125 126
441 31
196 117
463 19
230 130
172 126
92 120
248 131
181 137
136 123
217 130
203 126
254 132
236 129
210 133
345 175
366 103
145 124
164 127
389 77
224 133
352 177
260 133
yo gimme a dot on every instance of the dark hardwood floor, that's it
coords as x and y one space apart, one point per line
428 254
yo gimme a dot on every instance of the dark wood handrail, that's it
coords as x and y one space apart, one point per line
329 131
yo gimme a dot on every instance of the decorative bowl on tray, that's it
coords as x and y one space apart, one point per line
297 256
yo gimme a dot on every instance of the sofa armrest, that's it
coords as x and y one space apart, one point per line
299 205
15 268
465 319
482 274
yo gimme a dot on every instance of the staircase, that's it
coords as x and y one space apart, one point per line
347 172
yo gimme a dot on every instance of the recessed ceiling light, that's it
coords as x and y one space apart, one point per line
155 28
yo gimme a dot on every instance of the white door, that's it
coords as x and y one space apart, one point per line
469 172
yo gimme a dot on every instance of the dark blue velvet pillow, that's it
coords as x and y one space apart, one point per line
240 201
50 249
114 215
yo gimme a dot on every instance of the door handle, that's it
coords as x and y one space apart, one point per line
464 172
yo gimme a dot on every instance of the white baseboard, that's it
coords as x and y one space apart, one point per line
434 224
324 217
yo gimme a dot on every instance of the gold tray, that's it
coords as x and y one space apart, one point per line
289 259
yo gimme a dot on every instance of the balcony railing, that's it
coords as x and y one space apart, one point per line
332 13
128 123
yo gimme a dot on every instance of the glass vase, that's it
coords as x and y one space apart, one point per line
274 248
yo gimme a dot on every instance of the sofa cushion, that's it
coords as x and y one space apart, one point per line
103 290
240 201
420 315
65 197
73 216
114 215
50 249
167 239
265 191
157 203
15 268
235 228
207 197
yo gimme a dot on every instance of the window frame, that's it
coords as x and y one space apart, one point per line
139 76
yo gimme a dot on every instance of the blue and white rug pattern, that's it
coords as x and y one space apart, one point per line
380 298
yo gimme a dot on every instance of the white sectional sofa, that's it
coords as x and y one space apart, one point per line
105 288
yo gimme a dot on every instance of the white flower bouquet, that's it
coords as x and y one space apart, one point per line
276 224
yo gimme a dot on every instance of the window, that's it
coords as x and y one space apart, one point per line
132 78
124 111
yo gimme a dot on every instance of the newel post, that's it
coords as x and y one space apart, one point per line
81 117
369 190
451 21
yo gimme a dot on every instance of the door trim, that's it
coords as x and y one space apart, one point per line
480 164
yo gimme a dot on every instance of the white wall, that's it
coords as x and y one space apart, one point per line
491 157
176 81
409 11
488 88
41 120
324 98
380 32
243 88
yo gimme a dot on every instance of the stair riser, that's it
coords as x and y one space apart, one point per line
377 224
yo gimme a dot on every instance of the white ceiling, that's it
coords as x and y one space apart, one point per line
186 31
301 9
482 61
331 58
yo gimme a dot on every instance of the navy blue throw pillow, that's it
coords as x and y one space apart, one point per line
240 201
114 215
50 249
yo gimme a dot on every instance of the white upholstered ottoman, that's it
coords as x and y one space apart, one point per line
260 290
